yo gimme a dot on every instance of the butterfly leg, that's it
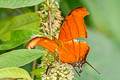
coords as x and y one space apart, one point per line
80 69
48 69
80 65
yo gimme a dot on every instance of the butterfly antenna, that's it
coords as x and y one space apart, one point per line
92 67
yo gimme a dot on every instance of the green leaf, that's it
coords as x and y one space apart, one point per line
19 57
104 56
67 5
3 25
18 37
18 3
24 21
38 72
14 72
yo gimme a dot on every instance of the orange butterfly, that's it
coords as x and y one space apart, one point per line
69 50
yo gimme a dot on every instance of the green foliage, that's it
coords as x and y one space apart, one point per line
24 21
18 37
14 72
104 56
105 16
19 57
16 30
38 72
18 3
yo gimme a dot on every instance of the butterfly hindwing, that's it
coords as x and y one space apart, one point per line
76 49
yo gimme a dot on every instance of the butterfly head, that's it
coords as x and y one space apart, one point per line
79 65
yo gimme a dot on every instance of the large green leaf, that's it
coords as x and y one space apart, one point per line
14 72
19 57
3 25
24 21
104 56
18 3
18 37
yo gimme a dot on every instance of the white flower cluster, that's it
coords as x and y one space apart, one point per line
56 18
47 59
59 71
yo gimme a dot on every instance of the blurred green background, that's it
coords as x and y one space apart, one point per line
103 26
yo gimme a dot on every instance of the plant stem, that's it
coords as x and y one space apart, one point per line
50 22
49 18
36 8
45 34
34 67
34 62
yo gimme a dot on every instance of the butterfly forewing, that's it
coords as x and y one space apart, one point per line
44 42
51 45
73 26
